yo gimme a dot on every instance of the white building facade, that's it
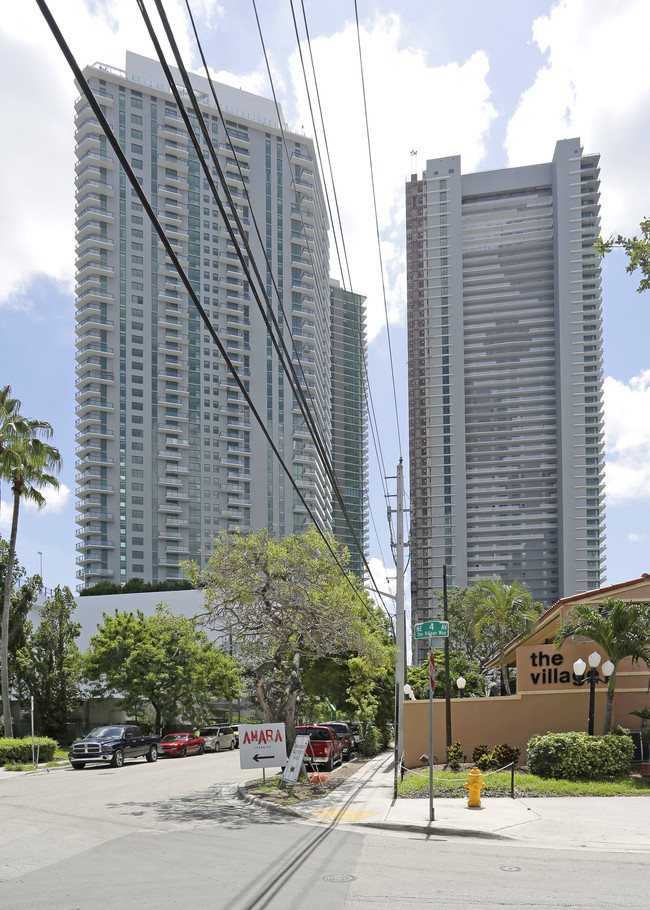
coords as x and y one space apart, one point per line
505 377
169 452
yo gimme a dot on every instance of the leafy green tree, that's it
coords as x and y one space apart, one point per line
459 665
26 463
50 664
24 592
163 661
284 601
504 611
621 629
637 250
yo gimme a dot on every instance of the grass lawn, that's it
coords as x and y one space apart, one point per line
450 784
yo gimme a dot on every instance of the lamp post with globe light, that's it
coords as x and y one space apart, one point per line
461 682
592 677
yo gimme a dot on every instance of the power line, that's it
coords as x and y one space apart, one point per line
291 372
177 265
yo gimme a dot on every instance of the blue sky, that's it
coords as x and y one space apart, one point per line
496 83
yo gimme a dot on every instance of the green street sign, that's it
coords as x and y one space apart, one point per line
433 629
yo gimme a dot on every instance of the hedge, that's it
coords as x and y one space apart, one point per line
575 756
19 751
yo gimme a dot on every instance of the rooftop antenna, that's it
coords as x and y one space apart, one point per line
414 162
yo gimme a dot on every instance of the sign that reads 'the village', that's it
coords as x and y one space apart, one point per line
262 746
545 668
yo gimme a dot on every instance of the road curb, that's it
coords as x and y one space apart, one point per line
270 806
9 775
243 794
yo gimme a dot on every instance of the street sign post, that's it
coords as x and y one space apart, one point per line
433 629
262 746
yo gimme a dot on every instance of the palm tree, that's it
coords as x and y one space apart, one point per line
26 461
12 424
506 610
621 629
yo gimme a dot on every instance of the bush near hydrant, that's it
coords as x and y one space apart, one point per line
575 756
499 757
19 751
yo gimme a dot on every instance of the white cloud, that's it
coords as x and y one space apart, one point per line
595 85
55 502
627 438
411 105
386 584
636 538
5 515
37 97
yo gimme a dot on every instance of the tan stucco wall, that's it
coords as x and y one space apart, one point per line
540 706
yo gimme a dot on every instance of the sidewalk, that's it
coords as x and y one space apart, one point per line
622 824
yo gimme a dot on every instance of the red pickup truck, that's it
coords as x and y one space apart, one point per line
325 748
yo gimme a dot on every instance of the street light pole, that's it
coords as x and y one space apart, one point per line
41 572
592 677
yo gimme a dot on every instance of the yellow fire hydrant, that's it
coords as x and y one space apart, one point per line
474 785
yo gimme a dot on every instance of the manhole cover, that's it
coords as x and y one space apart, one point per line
510 868
338 878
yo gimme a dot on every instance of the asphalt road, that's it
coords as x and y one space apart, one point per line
172 833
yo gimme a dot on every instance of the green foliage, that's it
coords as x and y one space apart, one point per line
504 610
372 741
637 250
621 629
24 593
162 662
478 753
20 750
459 665
574 756
503 755
136 586
50 664
286 602
27 461
454 756
450 784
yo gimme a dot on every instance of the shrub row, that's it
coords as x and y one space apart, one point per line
19 751
572 756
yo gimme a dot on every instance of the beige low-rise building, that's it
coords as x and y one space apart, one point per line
547 698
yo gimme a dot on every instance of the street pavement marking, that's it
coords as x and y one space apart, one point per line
343 815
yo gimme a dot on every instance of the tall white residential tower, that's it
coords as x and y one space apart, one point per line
168 451
505 377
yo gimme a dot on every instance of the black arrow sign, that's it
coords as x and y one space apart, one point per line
263 757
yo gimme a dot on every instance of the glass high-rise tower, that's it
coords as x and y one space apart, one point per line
349 422
505 377
168 450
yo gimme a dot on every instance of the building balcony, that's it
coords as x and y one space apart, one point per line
91 515
94 544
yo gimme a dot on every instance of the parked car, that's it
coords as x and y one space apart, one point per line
113 745
182 744
357 731
219 738
325 748
235 730
345 734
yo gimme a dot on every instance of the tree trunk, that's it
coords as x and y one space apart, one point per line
6 604
609 704
505 682
295 690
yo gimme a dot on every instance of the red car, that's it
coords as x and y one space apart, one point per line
182 744
325 748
